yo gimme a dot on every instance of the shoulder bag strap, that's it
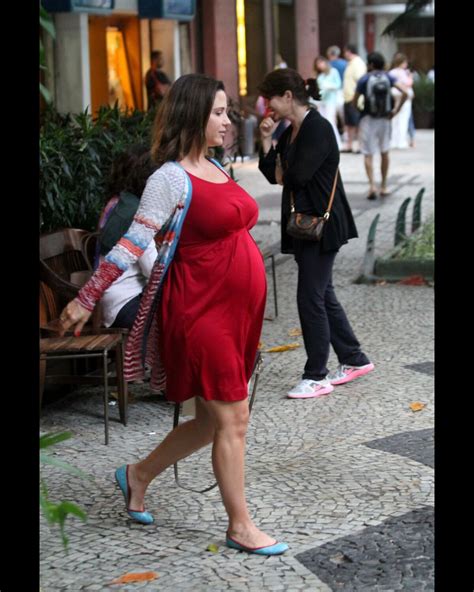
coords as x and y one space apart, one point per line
331 199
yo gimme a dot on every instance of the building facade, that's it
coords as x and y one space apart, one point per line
102 47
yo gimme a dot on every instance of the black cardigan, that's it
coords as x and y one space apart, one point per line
310 164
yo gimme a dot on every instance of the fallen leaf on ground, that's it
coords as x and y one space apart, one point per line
212 548
417 406
413 280
294 332
146 576
282 348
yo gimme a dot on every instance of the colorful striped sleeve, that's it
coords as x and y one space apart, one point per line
159 199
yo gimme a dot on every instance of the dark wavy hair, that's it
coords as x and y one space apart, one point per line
181 119
277 82
376 60
130 171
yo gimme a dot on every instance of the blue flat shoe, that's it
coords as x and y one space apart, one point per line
121 476
275 549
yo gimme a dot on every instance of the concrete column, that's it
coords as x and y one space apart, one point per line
219 23
269 35
176 51
360 31
386 45
360 43
72 72
306 35
145 55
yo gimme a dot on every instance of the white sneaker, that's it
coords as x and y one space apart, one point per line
346 373
310 388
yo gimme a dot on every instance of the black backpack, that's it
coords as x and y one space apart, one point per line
378 95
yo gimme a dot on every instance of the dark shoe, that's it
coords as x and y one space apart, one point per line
372 195
121 476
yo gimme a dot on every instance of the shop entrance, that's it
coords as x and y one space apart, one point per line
115 62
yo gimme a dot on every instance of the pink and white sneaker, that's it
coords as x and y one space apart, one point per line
346 373
307 389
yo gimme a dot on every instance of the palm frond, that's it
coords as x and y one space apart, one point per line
412 9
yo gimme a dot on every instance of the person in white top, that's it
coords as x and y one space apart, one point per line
401 121
127 180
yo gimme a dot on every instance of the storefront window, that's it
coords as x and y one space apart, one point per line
120 87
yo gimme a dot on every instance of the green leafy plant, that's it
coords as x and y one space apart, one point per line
419 245
46 23
56 513
424 94
76 152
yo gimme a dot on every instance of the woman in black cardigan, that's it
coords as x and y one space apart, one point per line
305 162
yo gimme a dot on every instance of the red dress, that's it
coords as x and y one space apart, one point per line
213 297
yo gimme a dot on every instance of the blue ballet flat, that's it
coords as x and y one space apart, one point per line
121 476
276 549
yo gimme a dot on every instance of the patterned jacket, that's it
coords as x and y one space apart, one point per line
160 216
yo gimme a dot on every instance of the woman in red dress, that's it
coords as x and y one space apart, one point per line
211 308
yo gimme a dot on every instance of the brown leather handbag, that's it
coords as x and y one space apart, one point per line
306 227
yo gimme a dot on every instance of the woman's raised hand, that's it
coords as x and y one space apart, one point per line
267 127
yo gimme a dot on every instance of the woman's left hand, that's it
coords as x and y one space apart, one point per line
74 315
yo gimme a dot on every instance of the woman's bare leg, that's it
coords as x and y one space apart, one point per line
228 452
178 444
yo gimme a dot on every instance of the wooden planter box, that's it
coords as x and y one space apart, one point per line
423 119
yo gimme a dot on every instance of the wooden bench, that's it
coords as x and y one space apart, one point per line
64 268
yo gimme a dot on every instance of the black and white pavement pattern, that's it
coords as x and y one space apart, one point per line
346 480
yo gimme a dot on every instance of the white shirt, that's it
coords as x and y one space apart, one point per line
128 285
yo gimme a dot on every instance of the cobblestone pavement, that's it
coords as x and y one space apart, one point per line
346 479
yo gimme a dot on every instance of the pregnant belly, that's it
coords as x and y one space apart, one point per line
229 272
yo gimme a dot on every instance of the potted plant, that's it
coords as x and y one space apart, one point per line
423 103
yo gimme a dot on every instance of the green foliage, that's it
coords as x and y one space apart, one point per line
56 513
419 245
76 152
46 24
424 94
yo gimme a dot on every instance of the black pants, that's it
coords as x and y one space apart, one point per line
323 320
126 315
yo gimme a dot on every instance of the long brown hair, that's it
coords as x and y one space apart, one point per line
129 171
181 120
398 60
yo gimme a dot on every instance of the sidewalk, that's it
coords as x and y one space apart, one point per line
346 479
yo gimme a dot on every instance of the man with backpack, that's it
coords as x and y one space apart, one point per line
375 124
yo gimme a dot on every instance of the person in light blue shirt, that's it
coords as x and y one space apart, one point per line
333 54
